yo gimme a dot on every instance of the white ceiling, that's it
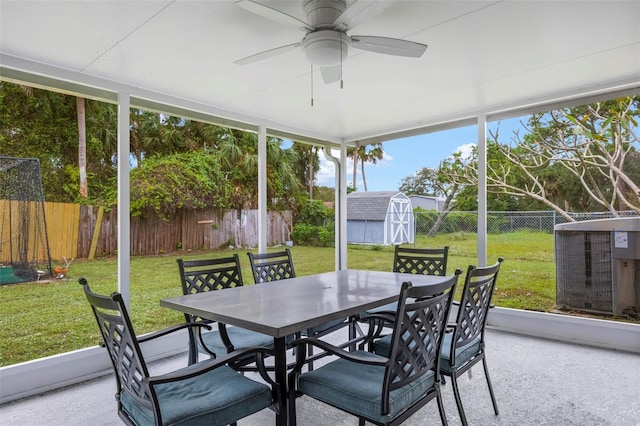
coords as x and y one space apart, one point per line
484 57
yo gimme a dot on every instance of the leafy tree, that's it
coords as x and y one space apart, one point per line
588 145
324 193
313 224
436 183
237 153
40 124
313 212
426 181
164 184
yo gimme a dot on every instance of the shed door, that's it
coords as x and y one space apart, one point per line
401 221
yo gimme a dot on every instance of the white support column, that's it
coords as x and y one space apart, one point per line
124 217
482 190
342 242
262 189
336 211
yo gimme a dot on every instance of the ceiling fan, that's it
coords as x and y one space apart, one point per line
326 42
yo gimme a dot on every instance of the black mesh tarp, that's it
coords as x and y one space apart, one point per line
24 245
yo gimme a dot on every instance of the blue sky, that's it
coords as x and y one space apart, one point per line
403 157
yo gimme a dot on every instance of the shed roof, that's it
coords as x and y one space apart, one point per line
369 205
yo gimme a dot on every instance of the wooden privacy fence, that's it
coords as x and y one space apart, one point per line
62 234
86 231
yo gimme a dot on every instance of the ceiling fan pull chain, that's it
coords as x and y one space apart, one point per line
311 84
341 81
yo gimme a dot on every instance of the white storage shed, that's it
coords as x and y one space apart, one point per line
384 217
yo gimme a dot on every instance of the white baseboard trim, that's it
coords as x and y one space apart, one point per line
566 328
54 372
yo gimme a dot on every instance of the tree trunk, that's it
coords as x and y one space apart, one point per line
355 167
448 205
82 146
364 179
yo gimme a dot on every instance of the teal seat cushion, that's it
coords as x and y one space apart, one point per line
357 388
322 327
382 346
389 307
240 337
463 353
216 398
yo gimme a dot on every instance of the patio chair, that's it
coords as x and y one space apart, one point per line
275 266
385 390
198 276
421 261
464 344
426 261
209 392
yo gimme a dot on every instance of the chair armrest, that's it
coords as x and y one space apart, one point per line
301 349
386 316
211 364
172 329
377 322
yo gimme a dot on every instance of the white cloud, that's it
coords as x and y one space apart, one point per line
326 174
465 150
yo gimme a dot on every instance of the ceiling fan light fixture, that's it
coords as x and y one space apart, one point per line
326 47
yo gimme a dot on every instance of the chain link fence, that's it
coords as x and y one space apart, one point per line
502 222
395 229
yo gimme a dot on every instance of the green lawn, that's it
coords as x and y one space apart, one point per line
40 319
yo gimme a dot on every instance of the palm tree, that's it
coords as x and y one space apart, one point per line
368 154
82 146
306 164
238 153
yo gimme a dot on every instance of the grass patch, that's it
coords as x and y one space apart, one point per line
39 319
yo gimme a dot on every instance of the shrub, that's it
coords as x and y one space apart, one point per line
304 234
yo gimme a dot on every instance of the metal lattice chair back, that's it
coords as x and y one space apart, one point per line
388 387
475 302
417 337
198 276
212 274
274 266
210 392
121 343
425 261
465 345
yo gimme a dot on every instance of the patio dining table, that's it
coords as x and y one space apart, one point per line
289 306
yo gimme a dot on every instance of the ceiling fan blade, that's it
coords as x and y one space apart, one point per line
274 15
267 54
389 46
359 11
331 74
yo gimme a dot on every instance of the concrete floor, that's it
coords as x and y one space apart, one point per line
536 381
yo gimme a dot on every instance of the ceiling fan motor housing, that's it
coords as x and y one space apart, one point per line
321 14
